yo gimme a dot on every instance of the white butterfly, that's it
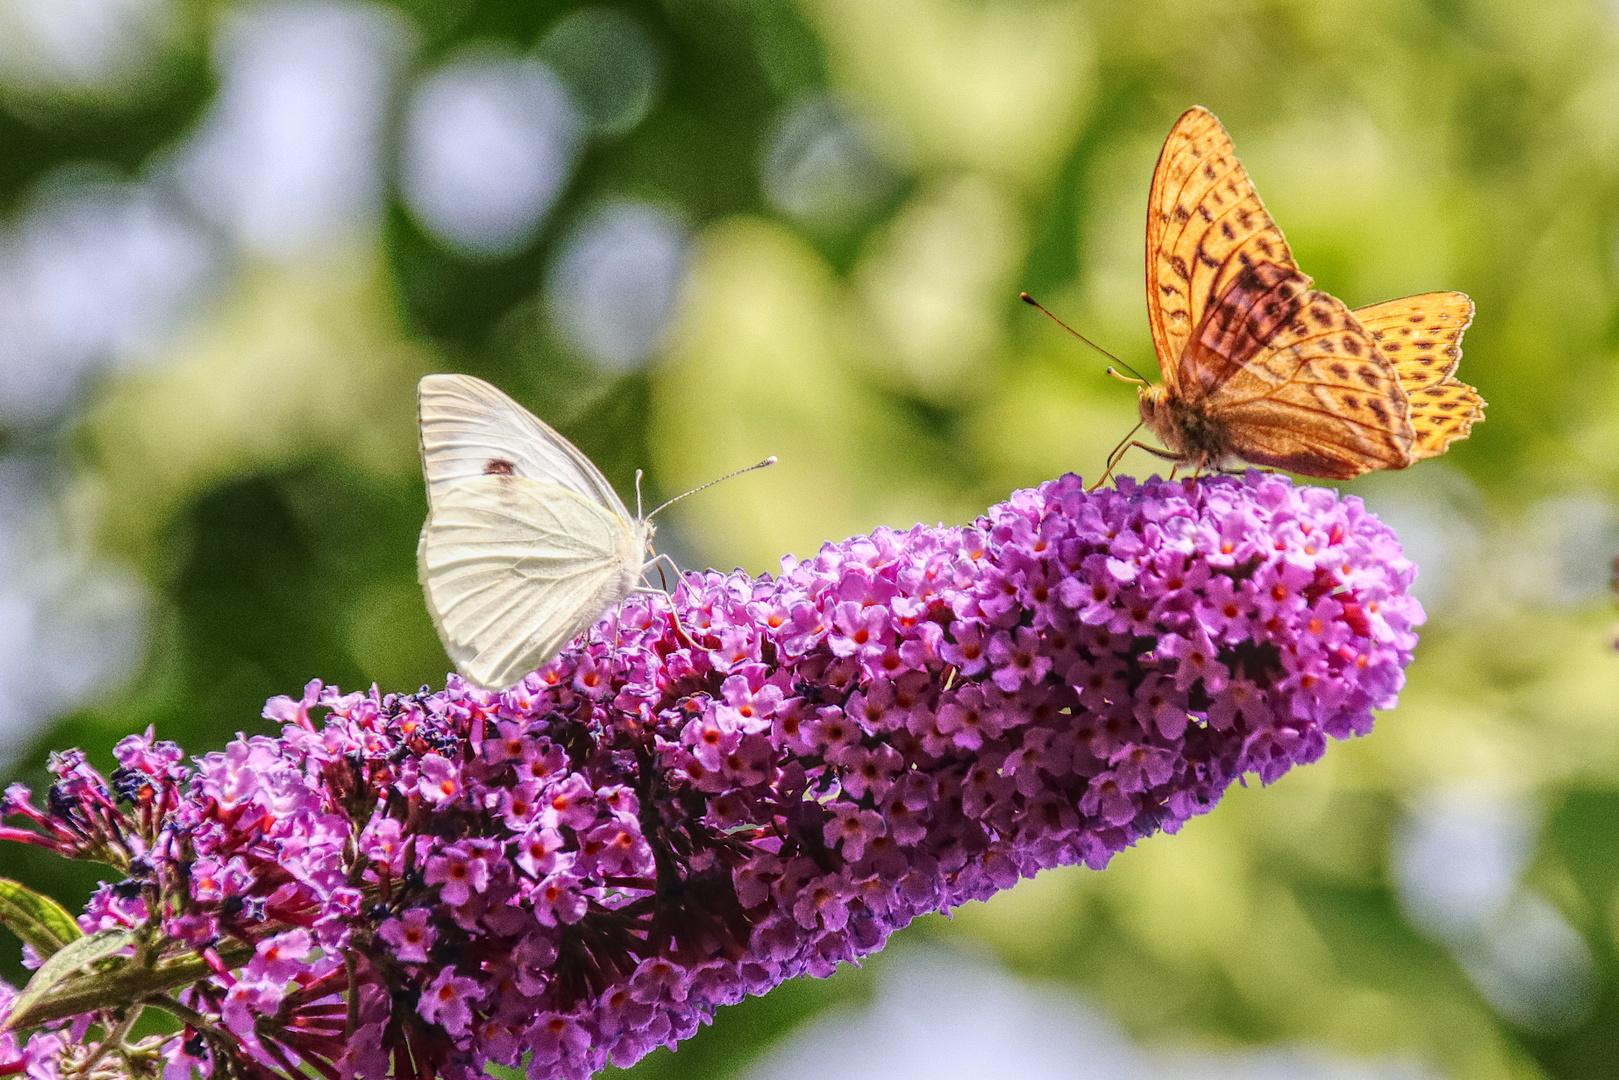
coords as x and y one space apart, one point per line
526 543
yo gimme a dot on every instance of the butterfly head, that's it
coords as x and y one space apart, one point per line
1187 429
1153 401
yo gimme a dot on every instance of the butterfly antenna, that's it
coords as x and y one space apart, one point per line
1032 302
638 493
771 460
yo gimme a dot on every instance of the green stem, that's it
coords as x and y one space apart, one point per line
113 1037
94 991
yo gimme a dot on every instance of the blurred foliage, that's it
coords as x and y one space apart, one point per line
260 474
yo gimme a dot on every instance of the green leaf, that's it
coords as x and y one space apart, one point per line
36 918
70 958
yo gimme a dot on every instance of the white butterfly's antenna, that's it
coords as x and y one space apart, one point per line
638 493
771 460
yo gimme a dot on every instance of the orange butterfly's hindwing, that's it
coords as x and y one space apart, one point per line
1422 335
1258 365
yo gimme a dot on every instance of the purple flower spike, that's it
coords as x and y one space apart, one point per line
670 817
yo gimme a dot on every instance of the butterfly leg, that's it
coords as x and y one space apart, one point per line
1124 447
663 559
1113 457
1114 460
1158 451
659 558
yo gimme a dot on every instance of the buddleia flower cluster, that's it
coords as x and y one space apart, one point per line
676 813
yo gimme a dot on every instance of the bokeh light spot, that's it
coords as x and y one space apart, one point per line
821 168
80 45
609 64
97 271
614 287
489 142
288 157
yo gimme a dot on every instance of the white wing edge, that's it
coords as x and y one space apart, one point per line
466 422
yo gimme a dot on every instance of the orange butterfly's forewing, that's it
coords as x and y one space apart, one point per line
1208 235
1256 364
1422 335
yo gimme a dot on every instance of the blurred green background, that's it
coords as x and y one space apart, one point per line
690 233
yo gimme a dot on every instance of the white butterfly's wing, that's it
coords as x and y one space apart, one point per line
513 569
470 429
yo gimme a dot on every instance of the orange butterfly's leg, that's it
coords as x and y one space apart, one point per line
1156 451
1114 455
1113 460
1124 448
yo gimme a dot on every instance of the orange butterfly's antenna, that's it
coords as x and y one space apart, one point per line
771 460
1032 302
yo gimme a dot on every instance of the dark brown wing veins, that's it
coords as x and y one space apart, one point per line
1261 300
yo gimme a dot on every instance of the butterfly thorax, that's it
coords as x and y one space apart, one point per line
634 556
1187 431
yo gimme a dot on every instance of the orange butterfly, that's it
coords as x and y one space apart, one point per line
1259 366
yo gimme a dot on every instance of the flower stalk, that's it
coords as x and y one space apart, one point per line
671 816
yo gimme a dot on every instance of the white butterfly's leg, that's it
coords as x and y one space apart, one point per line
660 557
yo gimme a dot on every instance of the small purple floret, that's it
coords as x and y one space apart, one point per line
664 820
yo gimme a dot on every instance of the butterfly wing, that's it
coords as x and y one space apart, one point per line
469 429
513 569
1319 398
1211 245
1422 335
1286 372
